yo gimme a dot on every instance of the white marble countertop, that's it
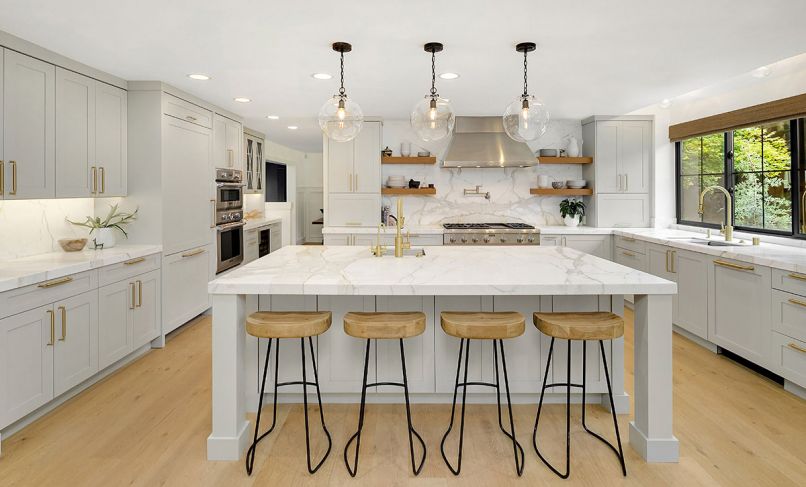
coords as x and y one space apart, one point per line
413 229
42 267
452 271
260 222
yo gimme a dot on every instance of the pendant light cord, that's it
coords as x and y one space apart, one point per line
434 74
342 92
525 79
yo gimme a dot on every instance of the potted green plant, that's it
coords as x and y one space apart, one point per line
105 229
572 211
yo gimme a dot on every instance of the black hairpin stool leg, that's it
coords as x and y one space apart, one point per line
462 344
305 405
414 467
250 454
357 435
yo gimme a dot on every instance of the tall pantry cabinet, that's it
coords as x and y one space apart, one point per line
621 174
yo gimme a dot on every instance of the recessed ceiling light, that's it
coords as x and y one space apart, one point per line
272 117
292 127
321 76
665 103
199 76
761 72
242 99
449 75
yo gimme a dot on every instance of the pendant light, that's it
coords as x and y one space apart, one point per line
432 117
340 118
526 118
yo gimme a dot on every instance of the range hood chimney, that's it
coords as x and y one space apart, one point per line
482 142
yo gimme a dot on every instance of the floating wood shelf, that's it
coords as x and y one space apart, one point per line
562 192
410 191
408 160
565 160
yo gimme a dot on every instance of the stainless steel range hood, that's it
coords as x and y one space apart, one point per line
482 142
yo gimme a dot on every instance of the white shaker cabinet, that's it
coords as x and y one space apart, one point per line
598 245
186 275
739 309
28 127
660 262
691 270
227 142
76 346
111 145
26 362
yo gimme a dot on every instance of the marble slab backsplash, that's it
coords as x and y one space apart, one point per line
508 187
30 227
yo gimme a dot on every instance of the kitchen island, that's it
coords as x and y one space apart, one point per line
526 279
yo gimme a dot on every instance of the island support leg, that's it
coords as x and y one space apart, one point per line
651 431
229 436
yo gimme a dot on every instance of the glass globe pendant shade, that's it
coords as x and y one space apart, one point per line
432 118
340 118
526 118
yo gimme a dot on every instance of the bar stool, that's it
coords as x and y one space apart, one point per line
384 326
578 326
482 326
274 326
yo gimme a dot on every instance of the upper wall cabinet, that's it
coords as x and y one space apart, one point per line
28 127
227 142
355 166
90 137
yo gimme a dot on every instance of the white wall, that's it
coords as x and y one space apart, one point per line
786 78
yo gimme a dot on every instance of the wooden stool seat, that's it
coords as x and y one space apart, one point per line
483 325
392 325
597 325
288 324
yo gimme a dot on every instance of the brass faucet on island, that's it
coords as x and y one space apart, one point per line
401 244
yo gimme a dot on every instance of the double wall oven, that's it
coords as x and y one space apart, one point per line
229 218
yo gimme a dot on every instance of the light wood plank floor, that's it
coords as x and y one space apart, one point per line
147 425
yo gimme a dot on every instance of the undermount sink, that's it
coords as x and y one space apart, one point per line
717 243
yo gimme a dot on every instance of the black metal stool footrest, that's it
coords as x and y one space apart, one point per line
250 454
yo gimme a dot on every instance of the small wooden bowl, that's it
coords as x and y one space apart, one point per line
72 244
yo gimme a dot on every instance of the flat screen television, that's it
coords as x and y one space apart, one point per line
275 182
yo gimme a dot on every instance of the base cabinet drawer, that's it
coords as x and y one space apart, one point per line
631 258
185 276
46 292
789 358
128 269
789 314
791 282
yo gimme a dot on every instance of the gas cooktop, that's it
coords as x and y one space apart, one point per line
487 226
490 234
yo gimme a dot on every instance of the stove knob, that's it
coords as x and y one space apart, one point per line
519 240
452 240
530 240
503 240
475 240
486 239
464 240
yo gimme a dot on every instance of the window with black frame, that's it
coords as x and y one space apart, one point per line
764 164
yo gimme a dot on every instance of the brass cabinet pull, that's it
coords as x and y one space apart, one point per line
193 252
356 182
673 266
350 175
190 117
52 328
798 302
628 254
2 179
135 261
103 179
799 277
628 239
212 223
731 265
139 294
668 252
64 322
56 282
13 177
131 286
795 346
94 175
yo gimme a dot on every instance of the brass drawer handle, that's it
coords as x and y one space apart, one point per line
131 286
628 239
94 176
103 179
798 302
13 177
799 277
64 322
628 254
2 179
731 265
139 293
56 282
52 328
795 346
193 252
190 117
135 261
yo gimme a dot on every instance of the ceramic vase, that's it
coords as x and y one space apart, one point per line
571 221
105 238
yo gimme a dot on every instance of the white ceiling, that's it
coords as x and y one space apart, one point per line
594 56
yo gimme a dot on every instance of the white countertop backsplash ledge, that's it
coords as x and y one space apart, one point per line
451 271
24 271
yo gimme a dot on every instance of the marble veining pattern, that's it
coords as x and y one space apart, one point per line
466 271
30 227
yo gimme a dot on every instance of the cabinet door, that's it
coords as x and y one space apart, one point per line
635 152
340 166
115 302
419 350
28 127
75 135
341 357
250 245
367 159
358 210
76 349
188 212
691 270
608 177
146 324
110 139
740 309
338 239
622 210
551 240
233 141
185 275
26 363
631 259
660 262
598 245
